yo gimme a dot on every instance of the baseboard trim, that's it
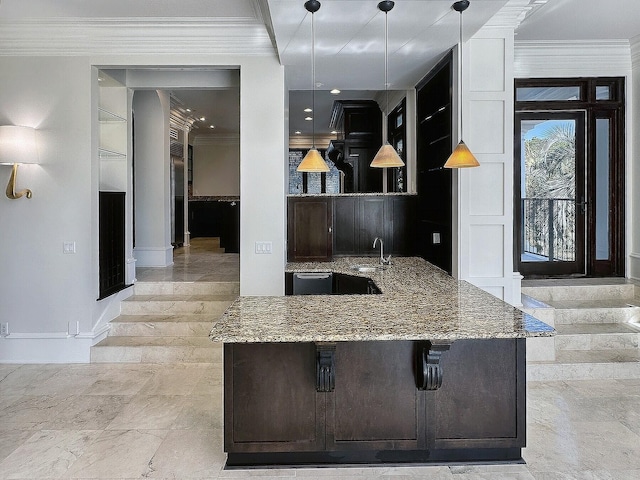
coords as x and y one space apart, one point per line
53 347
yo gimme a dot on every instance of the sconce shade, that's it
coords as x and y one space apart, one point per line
386 157
313 162
461 157
17 145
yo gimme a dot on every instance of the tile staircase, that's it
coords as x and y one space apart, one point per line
597 324
167 322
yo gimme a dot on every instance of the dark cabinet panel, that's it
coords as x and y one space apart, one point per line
111 243
481 403
358 220
375 404
310 227
374 222
434 144
216 219
345 225
271 403
375 413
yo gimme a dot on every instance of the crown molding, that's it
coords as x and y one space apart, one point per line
571 58
160 35
513 13
635 51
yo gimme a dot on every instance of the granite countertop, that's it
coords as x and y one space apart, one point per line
418 302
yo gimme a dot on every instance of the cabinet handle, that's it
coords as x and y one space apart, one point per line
330 229
428 369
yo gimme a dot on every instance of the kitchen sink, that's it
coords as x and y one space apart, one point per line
368 268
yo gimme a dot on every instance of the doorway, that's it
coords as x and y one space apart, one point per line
569 177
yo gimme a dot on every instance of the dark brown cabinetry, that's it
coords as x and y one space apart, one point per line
310 229
434 183
216 219
276 413
360 122
111 243
358 220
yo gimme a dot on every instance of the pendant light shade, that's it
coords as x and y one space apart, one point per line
461 157
313 161
387 156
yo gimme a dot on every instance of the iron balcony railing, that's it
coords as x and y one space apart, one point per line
549 229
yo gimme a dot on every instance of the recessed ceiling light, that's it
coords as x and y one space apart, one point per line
307 110
333 132
308 119
297 132
335 91
212 126
189 110
202 119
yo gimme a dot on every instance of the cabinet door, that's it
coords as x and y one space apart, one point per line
346 225
481 403
310 226
375 405
373 223
270 398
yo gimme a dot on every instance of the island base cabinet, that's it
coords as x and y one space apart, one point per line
373 412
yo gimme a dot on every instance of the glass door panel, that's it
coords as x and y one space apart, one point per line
551 193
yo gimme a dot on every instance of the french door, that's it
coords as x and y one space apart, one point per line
552 203
569 177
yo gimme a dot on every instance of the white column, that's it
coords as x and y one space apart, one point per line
152 179
485 194
185 155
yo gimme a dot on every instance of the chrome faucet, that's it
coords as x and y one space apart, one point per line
383 261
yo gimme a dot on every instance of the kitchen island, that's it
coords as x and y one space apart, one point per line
430 370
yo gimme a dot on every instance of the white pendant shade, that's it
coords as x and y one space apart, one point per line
387 157
461 157
313 162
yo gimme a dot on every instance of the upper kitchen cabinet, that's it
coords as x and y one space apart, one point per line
310 229
360 122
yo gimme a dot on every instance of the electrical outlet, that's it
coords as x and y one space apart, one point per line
4 329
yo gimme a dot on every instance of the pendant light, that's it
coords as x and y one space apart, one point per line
313 161
461 157
387 155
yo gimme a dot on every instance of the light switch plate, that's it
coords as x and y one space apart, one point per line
264 248
69 247
436 238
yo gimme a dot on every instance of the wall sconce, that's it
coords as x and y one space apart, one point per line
17 145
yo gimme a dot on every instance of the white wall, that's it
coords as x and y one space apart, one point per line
216 166
42 290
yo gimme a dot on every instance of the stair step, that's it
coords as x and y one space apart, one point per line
595 311
156 350
587 365
162 325
176 304
187 288
601 336
540 310
587 288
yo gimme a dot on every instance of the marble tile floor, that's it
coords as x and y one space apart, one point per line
195 263
112 421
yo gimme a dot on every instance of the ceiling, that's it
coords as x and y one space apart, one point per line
349 39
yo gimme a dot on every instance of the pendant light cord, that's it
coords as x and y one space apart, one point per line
313 79
461 80
386 60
